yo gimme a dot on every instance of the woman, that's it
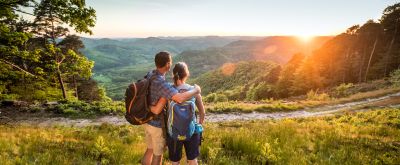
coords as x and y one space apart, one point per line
180 75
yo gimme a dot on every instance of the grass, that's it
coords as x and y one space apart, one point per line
242 107
292 105
356 138
361 138
351 98
80 109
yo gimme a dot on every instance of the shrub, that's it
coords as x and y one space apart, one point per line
215 97
220 98
395 77
261 91
343 90
75 108
314 95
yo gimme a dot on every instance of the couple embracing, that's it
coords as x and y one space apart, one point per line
181 99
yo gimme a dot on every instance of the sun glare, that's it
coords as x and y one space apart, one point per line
305 38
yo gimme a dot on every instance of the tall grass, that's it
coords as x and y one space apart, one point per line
362 138
355 138
276 106
62 145
313 99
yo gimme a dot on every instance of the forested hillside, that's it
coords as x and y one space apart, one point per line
278 49
361 53
236 81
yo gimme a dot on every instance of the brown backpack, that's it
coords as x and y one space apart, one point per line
137 97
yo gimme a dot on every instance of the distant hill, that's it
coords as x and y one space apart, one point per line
278 49
109 53
235 80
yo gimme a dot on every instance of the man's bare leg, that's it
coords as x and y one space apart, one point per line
157 160
148 156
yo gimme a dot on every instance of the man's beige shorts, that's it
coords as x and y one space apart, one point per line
154 139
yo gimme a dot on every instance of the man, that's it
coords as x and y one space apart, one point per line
160 92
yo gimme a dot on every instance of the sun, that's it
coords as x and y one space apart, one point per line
305 38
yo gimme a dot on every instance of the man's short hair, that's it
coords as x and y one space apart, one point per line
162 58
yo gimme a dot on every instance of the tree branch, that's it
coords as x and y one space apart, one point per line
19 68
10 3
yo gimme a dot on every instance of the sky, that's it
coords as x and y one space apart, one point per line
152 18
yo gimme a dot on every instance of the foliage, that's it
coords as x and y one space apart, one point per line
314 95
89 90
261 91
215 97
232 75
343 90
80 109
395 77
306 77
51 16
243 107
286 79
30 55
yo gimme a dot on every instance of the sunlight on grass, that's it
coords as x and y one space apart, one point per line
354 138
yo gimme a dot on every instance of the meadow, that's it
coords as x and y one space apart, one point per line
371 137
311 100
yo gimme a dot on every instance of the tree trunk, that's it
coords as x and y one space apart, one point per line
390 48
361 66
61 83
75 86
345 65
370 58
17 67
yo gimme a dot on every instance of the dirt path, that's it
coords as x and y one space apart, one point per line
383 101
318 111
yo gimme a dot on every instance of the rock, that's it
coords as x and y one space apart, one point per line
51 103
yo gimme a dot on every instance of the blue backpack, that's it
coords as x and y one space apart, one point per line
181 124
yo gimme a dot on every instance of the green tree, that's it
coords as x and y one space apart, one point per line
390 21
77 66
375 35
90 91
19 64
261 91
307 77
50 21
273 75
287 75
